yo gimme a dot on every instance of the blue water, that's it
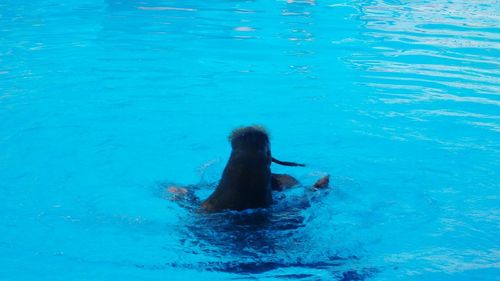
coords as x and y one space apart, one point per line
105 103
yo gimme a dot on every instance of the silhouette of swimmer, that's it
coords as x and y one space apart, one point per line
247 181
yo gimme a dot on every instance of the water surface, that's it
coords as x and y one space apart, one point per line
104 102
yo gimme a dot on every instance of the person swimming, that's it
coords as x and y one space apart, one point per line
247 181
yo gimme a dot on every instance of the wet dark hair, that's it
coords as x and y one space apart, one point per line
241 131
255 136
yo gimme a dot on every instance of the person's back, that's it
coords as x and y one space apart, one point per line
246 180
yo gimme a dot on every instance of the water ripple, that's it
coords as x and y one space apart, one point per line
398 100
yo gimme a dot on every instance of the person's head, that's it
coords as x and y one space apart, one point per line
246 180
251 138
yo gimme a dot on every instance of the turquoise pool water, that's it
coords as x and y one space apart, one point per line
103 103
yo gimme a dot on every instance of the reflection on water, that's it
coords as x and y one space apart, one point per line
426 51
